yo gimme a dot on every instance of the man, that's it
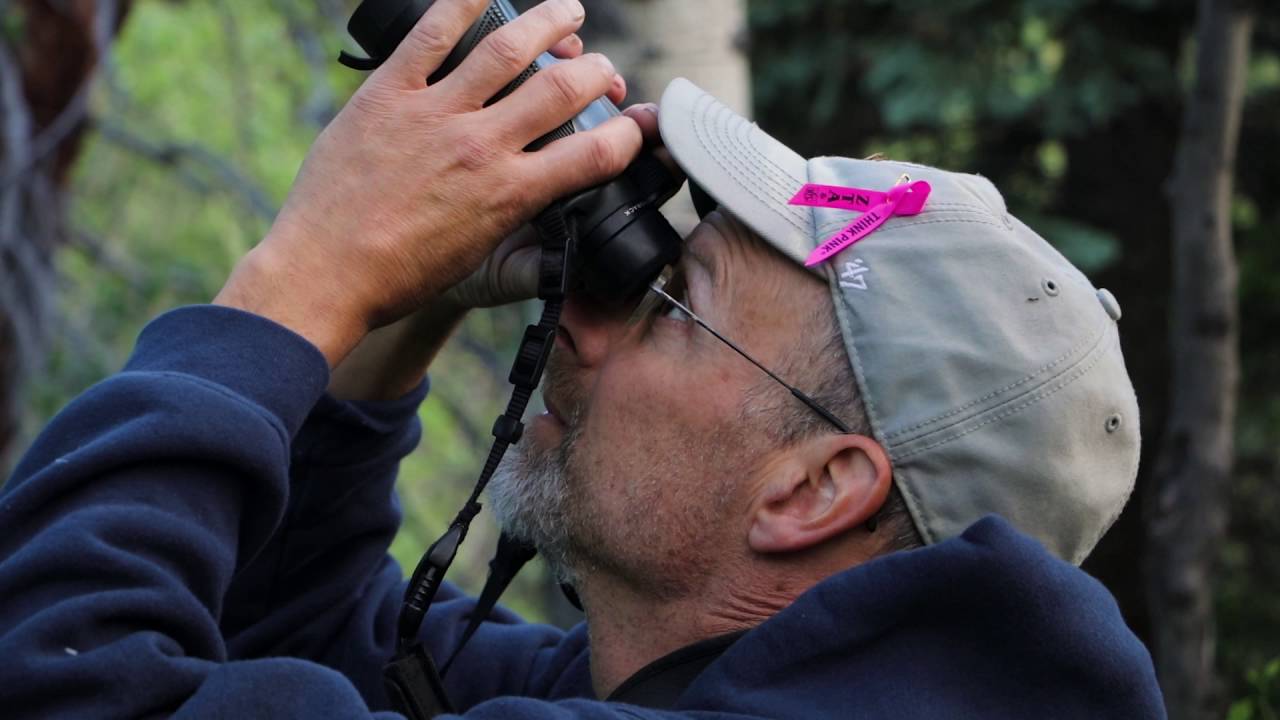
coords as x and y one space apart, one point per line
205 534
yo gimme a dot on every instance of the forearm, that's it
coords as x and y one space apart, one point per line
124 524
324 588
392 361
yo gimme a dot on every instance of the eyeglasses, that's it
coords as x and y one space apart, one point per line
654 301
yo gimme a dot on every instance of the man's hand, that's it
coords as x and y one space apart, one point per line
411 187
510 273
391 361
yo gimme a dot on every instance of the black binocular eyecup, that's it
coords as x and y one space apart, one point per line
624 264
623 240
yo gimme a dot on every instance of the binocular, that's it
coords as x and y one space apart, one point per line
621 240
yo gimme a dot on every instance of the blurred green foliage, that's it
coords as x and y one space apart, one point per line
206 109
1263 699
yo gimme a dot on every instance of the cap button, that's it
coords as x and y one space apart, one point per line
1109 303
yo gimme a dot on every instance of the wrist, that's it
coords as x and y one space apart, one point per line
392 361
276 287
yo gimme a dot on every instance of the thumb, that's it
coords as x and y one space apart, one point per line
504 278
517 276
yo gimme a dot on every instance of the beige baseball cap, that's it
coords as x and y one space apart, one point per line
989 365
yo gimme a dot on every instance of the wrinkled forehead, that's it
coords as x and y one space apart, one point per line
723 242
756 289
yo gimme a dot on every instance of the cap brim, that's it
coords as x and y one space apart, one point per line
749 173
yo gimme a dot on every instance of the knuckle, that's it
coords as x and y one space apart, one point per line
506 51
376 102
563 84
603 67
428 39
602 157
369 100
475 152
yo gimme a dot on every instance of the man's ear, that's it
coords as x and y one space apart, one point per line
823 488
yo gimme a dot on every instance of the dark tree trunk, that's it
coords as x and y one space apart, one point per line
1131 151
1187 512
45 69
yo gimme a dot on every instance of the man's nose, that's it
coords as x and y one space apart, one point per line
589 328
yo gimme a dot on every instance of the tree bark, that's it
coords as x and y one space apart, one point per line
1187 513
45 70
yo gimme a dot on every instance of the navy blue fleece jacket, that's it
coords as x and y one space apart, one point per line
205 535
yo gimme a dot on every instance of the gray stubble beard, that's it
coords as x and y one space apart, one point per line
532 500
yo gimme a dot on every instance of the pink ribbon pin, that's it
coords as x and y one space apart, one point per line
876 207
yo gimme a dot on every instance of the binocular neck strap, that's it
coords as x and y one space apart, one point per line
512 554
411 678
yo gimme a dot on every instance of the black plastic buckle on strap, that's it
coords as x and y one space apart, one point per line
556 238
553 273
427 578
508 429
531 358
414 685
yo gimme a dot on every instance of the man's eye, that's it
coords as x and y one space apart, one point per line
675 313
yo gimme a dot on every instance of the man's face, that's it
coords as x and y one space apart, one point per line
643 467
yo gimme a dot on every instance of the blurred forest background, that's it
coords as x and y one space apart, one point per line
146 145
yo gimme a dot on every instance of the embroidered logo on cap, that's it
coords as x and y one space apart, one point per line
854 275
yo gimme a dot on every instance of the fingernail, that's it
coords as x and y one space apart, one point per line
575 9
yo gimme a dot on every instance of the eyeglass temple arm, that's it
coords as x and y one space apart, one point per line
808 401
814 406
